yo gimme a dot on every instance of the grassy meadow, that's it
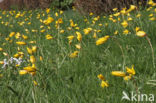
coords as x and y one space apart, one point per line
55 56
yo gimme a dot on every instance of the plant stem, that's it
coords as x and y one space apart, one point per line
151 49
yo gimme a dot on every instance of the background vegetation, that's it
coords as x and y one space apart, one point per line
59 77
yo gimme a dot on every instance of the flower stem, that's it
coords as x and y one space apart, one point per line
151 50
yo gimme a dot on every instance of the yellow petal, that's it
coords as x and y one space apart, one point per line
118 73
23 72
35 83
71 37
29 50
74 54
32 59
104 84
130 70
1 49
102 40
100 76
34 49
29 69
79 36
124 24
126 78
21 43
141 33
78 46
41 58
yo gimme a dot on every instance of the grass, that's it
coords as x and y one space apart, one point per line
61 79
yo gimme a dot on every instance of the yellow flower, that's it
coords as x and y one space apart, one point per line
130 70
141 33
28 23
72 23
48 21
150 15
21 53
137 29
150 2
115 9
132 7
78 46
71 37
118 73
74 54
126 78
116 32
117 14
25 37
123 11
32 59
48 37
104 84
100 76
113 20
16 55
124 24
17 36
32 42
152 18
60 21
91 14
69 28
35 30
62 31
148 9
48 10
7 39
79 36
41 58
35 83
94 35
21 43
129 19
77 28
85 20
126 31
138 15
96 18
29 50
43 30
61 12
1 49
100 24
23 72
1 62
102 40
29 69
56 14
11 34
34 48
87 31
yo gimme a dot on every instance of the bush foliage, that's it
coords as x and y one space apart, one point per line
103 6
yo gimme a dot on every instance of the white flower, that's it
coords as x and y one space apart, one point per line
11 61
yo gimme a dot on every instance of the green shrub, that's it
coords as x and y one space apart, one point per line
103 6
62 4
